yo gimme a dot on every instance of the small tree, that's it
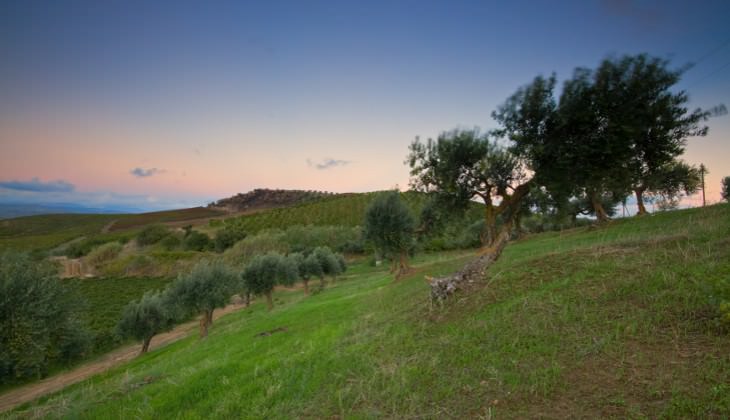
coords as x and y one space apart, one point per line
726 188
152 234
146 317
265 271
328 262
207 287
227 237
389 225
197 241
308 267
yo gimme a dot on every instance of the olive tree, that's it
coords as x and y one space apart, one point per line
40 320
308 267
389 226
207 287
264 272
145 318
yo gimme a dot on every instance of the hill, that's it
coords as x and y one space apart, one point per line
335 210
613 321
264 199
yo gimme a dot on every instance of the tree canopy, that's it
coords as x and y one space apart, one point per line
389 226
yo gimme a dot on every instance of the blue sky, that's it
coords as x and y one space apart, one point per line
162 104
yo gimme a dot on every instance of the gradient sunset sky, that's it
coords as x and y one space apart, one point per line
172 104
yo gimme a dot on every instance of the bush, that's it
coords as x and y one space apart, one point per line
152 234
104 253
227 237
197 241
171 242
726 188
39 319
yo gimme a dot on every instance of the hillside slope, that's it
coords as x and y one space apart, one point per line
616 321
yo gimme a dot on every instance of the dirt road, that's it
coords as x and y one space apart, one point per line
15 397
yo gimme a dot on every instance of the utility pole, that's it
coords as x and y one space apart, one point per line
702 177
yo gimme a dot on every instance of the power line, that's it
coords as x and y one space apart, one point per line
712 52
708 75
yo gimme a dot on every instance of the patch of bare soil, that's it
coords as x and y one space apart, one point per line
15 397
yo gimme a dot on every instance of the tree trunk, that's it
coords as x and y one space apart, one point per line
306 286
203 325
269 300
490 224
402 265
145 345
247 299
209 317
640 201
601 214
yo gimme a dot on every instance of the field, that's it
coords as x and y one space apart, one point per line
339 210
47 231
613 321
104 299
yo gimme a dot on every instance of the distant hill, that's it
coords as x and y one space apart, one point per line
10 210
333 210
264 199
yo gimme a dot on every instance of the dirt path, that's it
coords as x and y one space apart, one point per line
15 397
108 226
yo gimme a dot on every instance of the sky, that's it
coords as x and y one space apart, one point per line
174 104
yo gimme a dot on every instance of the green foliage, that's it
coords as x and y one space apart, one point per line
152 234
171 242
266 271
39 319
105 298
251 246
389 225
197 241
328 261
577 315
227 237
209 285
726 188
104 253
146 317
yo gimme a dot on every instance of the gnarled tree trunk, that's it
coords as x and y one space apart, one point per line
601 214
640 201
145 345
203 325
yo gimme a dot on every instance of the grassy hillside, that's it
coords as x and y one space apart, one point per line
338 210
617 321
50 230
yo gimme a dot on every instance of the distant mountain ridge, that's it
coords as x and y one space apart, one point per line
11 210
264 198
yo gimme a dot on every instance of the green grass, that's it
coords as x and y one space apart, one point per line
616 321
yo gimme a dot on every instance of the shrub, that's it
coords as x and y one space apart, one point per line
197 241
104 253
227 237
152 234
171 242
39 319
726 188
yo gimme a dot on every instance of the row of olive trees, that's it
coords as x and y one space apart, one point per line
210 285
